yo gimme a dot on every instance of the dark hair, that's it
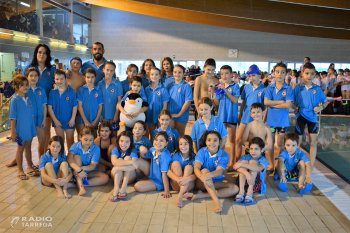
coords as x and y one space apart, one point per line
56 60
332 64
164 112
257 105
323 73
109 63
142 123
60 72
48 56
291 136
161 133
132 66
234 72
180 66
257 141
136 79
296 73
210 62
155 68
190 143
163 73
18 80
126 134
192 77
289 70
308 66
202 141
346 70
87 130
308 58
142 71
31 69
226 67
57 139
106 124
340 70
280 64
205 100
90 71
98 43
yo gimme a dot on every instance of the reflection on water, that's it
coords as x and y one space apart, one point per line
333 146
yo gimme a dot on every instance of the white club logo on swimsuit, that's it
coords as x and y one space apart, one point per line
90 156
158 93
170 138
229 89
259 93
96 95
48 72
313 91
215 129
284 93
112 90
40 93
179 89
216 162
67 98
296 160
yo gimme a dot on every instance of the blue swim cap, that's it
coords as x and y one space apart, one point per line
253 69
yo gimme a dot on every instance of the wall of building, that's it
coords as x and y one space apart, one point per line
129 36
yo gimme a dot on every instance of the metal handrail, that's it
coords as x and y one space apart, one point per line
6 102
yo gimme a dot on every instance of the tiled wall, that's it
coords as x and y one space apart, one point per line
129 36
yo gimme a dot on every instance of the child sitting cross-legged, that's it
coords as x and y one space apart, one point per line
252 169
293 165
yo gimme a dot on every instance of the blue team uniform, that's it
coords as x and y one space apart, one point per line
46 78
155 98
23 112
145 81
110 97
307 99
91 101
62 105
159 163
126 87
251 96
212 162
91 155
278 117
199 128
184 162
143 142
120 154
47 158
179 94
167 80
99 70
173 136
228 111
38 97
261 160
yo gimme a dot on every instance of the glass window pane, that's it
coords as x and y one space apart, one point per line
56 23
290 66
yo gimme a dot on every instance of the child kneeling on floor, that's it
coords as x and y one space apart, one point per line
293 165
252 169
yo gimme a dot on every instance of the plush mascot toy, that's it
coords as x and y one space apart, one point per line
133 103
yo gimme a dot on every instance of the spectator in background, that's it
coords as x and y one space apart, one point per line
306 60
57 65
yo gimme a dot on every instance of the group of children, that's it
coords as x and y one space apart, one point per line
166 155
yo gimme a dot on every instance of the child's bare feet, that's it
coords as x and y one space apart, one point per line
82 191
218 207
12 163
198 195
66 194
60 193
179 201
186 195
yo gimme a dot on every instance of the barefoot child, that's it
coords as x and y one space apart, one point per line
228 108
207 122
160 160
278 97
164 118
293 165
181 169
62 107
39 100
22 126
167 72
180 94
124 157
308 101
257 128
157 97
252 93
90 101
54 167
252 169
209 166
106 141
83 157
